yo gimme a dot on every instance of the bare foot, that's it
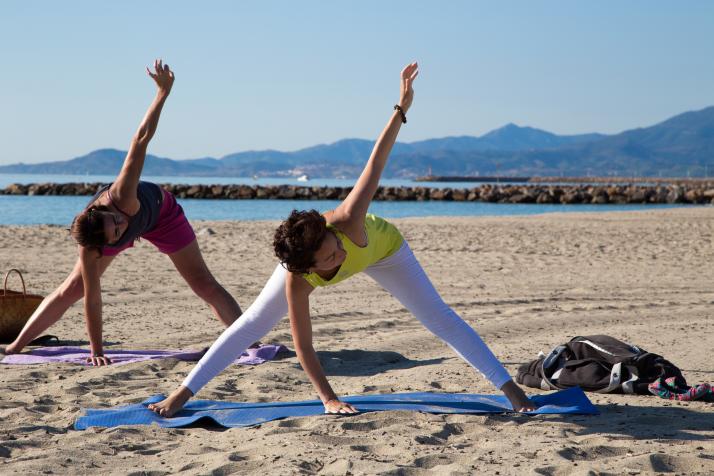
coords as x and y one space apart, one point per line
519 400
98 360
173 403
9 349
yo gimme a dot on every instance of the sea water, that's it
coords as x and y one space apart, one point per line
59 210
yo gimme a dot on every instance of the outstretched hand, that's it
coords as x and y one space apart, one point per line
335 406
406 92
162 76
520 402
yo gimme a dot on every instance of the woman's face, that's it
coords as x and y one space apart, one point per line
115 224
330 255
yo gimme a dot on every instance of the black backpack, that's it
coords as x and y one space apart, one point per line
600 364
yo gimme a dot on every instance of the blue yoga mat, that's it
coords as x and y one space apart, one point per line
231 414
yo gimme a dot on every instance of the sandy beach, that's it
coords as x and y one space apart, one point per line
525 283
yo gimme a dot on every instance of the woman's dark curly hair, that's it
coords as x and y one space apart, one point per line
88 228
298 238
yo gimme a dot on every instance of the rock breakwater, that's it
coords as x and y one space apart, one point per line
695 193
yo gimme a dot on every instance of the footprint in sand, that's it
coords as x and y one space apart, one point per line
381 450
149 473
78 390
663 463
589 453
361 425
298 423
383 420
448 430
432 461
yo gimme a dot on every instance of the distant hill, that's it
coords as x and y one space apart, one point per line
507 138
681 145
109 162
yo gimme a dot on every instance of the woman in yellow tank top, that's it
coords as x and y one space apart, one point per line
323 249
383 240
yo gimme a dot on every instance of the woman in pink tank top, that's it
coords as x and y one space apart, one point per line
113 220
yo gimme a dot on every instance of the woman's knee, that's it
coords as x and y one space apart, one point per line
442 320
72 289
207 288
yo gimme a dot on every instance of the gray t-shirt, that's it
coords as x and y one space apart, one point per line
150 198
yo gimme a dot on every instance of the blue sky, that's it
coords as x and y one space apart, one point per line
286 75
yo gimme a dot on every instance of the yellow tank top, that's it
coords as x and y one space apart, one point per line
383 240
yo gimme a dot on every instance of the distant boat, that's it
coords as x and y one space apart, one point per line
303 178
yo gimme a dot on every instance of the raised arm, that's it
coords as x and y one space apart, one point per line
125 186
298 291
350 213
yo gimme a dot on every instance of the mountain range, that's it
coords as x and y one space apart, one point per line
680 146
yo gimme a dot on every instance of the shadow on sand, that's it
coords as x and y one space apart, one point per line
362 363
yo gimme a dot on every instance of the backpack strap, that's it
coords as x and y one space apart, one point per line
551 360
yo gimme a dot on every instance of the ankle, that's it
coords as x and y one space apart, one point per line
11 349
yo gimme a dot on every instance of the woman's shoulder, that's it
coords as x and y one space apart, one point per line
331 217
335 222
144 183
299 282
100 198
338 220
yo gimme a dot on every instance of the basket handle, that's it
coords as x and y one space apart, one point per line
24 292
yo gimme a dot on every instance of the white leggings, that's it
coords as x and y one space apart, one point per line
400 274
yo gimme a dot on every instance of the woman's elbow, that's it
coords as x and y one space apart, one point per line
141 138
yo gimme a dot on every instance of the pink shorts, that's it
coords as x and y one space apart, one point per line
172 232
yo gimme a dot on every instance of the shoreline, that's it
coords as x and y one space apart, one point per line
690 193
575 213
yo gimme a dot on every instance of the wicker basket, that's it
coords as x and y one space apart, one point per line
15 309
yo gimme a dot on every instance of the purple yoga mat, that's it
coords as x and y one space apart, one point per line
77 355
